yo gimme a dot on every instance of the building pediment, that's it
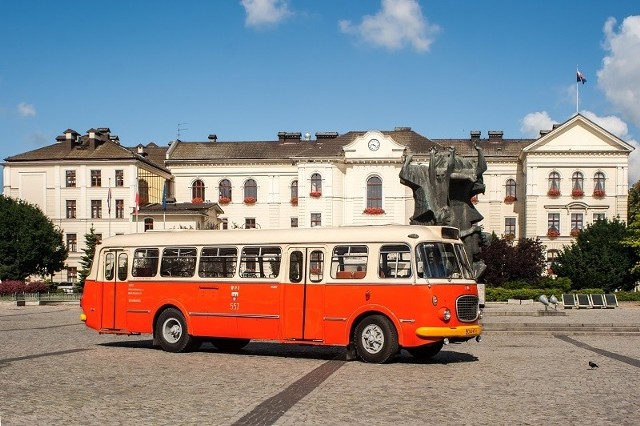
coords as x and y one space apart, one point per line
373 145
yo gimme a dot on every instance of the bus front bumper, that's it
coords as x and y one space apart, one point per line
449 332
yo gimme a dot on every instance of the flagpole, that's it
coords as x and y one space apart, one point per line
109 205
577 91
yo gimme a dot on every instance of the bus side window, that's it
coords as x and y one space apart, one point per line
145 262
395 261
109 264
218 262
260 262
178 262
316 265
349 262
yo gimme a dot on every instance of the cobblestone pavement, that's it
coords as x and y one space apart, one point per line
53 370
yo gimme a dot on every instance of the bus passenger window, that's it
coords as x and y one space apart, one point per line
295 267
178 262
109 263
218 262
349 262
145 262
260 262
122 267
316 265
395 261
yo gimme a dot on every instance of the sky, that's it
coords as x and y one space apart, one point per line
157 70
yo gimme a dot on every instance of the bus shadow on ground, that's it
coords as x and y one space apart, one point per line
300 351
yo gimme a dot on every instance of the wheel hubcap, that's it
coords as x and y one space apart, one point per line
171 330
372 338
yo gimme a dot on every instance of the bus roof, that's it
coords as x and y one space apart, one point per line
316 235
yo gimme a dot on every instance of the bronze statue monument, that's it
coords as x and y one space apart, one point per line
442 191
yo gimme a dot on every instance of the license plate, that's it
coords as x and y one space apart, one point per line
472 331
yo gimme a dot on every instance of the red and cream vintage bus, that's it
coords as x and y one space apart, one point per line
372 289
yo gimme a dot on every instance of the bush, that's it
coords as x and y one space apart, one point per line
11 287
562 283
36 287
628 296
500 294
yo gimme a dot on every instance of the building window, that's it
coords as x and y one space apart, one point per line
224 191
249 223
554 184
316 219
316 185
294 222
96 209
294 192
119 177
70 178
577 223
510 191
552 256
72 274
577 184
72 242
374 193
598 185
119 209
148 224
509 227
71 209
224 223
96 178
197 191
553 224
599 216
250 191
143 192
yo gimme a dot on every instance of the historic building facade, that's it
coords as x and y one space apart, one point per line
547 188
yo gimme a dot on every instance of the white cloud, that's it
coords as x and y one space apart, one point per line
620 71
26 110
400 22
533 122
262 13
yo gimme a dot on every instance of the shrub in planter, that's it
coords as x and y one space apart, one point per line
598 193
576 192
509 199
294 201
224 200
315 194
196 200
553 233
553 192
249 200
373 210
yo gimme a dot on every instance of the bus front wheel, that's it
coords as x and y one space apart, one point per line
172 333
376 339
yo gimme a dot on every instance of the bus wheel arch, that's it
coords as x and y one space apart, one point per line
171 331
375 338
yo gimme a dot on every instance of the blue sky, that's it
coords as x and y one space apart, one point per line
245 70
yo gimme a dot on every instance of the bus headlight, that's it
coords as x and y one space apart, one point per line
444 314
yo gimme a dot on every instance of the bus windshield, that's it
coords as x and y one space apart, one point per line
442 260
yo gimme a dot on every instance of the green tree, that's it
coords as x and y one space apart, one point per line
505 261
632 241
30 244
90 242
598 258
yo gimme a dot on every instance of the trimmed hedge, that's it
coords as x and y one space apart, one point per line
500 294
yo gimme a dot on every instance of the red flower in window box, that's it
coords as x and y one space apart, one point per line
373 210
196 200
598 193
249 200
553 233
554 192
577 192
224 200
509 199
575 232
315 194
294 201
474 199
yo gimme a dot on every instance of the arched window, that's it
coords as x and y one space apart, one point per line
577 184
374 193
294 192
598 185
250 191
224 191
554 184
197 191
148 224
316 185
510 190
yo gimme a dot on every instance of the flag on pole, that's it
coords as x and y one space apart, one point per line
580 78
164 196
137 203
109 201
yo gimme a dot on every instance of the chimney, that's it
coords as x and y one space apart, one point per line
213 137
475 134
93 138
495 135
544 132
556 125
326 135
289 136
402 129
141 151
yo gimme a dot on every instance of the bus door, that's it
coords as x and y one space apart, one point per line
304 294
114 290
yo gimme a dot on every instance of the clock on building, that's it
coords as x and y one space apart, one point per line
374 144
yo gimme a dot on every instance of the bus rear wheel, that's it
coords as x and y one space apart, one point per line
426 351
226 344
376 339
172 333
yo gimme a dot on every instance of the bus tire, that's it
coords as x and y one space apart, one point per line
172 333
426 351
376 339
227 344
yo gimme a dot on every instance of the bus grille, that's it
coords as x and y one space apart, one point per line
467 308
